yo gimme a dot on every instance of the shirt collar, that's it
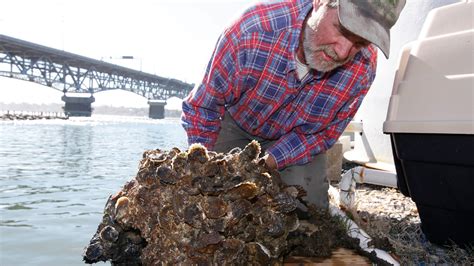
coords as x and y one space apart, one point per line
303 7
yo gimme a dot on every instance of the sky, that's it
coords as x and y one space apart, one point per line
169 38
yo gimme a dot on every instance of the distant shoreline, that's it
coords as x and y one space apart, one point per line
100 110
13 115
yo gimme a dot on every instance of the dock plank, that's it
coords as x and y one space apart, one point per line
340 256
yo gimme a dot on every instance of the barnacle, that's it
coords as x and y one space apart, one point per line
284 202
250 152
214 207
198 153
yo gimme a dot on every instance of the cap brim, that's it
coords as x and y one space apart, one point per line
351 18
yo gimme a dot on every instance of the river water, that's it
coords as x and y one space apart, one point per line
56 176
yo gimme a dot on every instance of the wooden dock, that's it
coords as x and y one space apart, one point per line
340 256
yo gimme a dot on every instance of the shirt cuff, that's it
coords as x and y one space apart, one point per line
279 156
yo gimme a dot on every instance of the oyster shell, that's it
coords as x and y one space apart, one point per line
200 207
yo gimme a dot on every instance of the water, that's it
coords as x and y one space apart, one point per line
56 177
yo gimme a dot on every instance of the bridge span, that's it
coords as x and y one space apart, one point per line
72 73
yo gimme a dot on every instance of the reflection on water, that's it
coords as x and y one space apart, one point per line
57 175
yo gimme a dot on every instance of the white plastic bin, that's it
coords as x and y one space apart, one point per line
431 124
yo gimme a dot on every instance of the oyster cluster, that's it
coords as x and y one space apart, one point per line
201 207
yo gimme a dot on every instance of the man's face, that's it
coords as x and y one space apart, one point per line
326 44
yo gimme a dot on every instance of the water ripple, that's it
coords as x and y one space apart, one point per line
71 205
18 207
14 223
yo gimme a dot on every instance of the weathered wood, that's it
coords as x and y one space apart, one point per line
340 256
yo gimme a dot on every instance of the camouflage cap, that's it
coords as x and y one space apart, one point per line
371 19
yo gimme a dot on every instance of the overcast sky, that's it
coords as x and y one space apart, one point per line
169 38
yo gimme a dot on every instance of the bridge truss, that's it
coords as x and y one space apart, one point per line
70 72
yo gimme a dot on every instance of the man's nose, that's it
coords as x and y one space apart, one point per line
343 48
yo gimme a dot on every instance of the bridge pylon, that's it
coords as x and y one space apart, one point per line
157 109
78 106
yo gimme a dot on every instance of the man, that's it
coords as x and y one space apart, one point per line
290 74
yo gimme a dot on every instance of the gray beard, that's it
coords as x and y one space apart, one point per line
315 63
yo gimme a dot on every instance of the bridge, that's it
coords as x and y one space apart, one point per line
72 73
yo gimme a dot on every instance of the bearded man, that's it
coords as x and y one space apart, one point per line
290 74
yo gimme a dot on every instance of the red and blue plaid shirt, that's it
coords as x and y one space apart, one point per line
252 75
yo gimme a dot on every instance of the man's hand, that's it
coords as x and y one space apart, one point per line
270 162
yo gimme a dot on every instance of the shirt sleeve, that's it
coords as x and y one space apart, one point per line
297 149
204 106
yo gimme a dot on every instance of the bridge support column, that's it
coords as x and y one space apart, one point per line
157 109
78 106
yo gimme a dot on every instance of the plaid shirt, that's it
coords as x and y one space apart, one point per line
252 75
